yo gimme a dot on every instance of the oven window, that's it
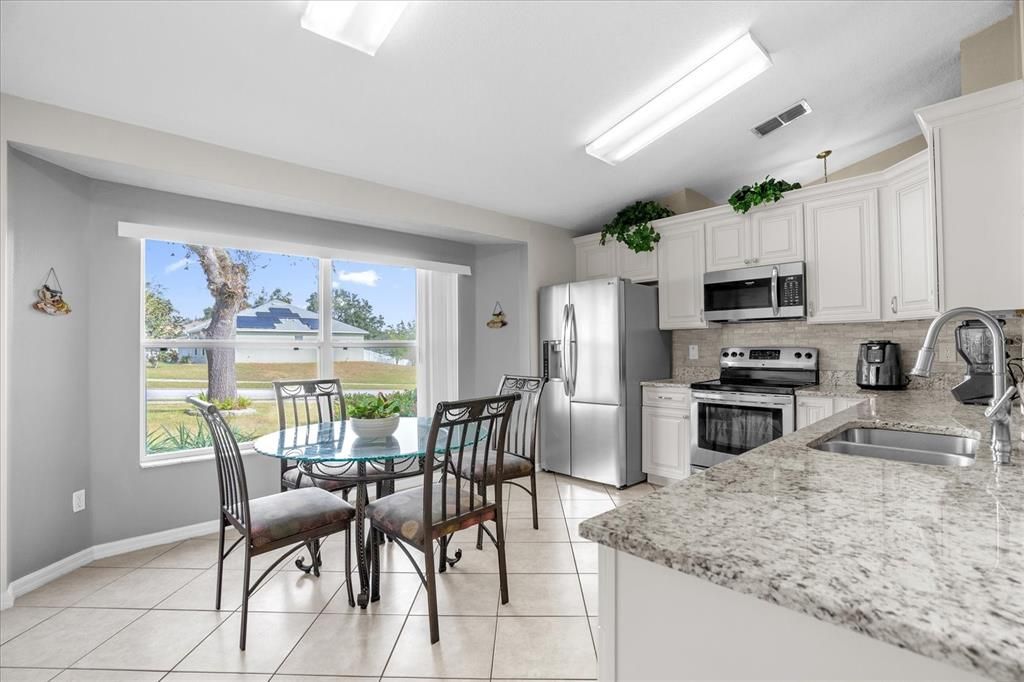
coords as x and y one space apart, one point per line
741 295
734 429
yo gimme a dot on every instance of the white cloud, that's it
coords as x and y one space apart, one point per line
176 265
368 278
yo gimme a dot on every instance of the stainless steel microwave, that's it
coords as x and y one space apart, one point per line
764 292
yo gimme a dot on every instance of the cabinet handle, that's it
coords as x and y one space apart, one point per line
746 261
810 308
754 260
702 315
892 304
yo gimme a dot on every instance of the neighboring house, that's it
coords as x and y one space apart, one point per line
283 322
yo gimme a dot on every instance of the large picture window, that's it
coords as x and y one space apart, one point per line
222 324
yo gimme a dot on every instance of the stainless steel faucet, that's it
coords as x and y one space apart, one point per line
998 411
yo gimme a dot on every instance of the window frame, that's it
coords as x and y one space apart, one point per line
323 344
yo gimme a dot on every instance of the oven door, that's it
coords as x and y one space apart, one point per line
728 424
760 293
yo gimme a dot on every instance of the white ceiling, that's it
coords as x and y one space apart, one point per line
491 103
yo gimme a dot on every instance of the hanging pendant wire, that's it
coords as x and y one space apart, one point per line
46 282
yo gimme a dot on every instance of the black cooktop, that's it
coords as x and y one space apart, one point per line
774 387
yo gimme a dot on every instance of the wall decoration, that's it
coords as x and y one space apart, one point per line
768 190
51 297
498 319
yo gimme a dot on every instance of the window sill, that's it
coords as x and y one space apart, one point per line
246 450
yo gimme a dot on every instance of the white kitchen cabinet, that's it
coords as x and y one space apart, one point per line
681 274
976 148
763 237
839 404
665 433
639 267
777 235
842 257
593 259
728 242
613 260
810 409
909 280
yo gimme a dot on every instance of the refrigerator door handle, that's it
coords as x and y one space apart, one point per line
566 379
573 346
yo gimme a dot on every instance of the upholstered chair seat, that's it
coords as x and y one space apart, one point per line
514 466
401 514
294 512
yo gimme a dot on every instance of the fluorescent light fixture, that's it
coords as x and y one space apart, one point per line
360 25
727 70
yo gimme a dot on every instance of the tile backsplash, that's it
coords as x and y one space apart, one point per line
837 345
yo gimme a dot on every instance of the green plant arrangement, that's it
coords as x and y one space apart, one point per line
238 403
769 190
380 406
631 226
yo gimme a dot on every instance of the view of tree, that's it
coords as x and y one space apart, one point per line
227 278
275 295
162 320
351 309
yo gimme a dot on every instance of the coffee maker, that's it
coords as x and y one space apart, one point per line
974 345
879 366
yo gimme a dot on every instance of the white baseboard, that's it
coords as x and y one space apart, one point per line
37 579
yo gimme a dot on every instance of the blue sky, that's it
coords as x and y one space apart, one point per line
391 290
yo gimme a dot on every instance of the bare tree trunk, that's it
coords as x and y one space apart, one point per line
227 282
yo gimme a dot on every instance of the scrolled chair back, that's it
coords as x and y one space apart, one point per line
464 431
234 492
524 420
312 401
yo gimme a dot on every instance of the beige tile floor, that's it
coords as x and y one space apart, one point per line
148 615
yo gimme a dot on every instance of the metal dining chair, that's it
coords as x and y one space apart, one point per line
520 445
299 517
304 402
460 431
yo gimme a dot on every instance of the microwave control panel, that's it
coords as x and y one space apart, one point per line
791 290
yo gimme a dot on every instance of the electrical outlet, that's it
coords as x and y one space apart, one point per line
947 353
78 501
693 351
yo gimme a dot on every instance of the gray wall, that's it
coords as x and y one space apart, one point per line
49 372
76 380
486 354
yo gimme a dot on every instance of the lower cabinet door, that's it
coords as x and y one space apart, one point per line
666 442
810 410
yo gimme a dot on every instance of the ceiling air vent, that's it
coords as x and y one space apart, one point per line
785 118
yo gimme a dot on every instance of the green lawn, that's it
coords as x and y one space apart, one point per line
353 375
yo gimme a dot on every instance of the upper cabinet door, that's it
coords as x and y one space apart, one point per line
594 260
728 243
639 267
842 257
681 276
908 248
777 235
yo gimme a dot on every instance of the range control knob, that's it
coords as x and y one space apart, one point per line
799 355
742 354
733 354
725 355
808 356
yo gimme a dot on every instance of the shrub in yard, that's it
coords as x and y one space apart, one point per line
239 403
183 437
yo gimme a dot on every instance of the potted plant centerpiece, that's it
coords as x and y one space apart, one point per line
374 416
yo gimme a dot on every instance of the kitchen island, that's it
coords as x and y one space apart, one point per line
789 562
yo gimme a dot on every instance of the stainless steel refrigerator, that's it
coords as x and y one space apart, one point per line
599 340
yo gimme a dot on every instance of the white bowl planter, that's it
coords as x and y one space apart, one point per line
375 428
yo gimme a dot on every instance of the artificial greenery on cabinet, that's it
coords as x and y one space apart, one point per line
767 191
631 226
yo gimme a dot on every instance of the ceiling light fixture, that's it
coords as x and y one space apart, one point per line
360 25
740 62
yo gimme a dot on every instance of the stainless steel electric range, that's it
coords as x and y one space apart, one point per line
752 402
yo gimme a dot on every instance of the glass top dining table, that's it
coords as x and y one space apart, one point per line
338 442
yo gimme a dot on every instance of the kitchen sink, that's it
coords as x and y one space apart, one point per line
904 446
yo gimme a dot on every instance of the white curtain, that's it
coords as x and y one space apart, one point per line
437 339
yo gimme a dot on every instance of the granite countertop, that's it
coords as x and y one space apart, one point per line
838 391
673 383
927 558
